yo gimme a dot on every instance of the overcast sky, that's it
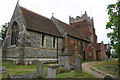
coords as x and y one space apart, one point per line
62 9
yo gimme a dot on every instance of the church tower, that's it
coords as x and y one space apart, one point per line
86 25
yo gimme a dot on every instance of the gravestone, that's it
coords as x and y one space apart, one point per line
78 64
107 59
64 59
67 63
51 71
3 70
40 68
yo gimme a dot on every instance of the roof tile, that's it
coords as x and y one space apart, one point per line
39 23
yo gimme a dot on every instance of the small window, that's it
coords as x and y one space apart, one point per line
77 26
90 54
54 42
81 44
43 40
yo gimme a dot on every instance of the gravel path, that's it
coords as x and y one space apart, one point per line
86 67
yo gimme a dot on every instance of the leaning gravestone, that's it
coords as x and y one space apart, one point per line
78 64
51 71
40 68
67 63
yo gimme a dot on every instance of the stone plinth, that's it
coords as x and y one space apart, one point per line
51 71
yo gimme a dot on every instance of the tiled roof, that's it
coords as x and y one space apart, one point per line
71 31
39 23
97 46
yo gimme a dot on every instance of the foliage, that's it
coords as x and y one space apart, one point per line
114 25
108 53
4 30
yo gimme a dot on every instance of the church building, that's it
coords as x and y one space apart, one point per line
31 36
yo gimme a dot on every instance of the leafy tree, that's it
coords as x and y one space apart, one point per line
114 25
108 53
4 30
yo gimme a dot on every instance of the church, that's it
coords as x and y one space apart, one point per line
31 36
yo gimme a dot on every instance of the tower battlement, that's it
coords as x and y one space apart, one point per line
82 18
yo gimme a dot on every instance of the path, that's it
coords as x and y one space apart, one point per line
86 67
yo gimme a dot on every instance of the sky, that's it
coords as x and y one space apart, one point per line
62 9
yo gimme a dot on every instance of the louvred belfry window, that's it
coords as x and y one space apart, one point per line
14 33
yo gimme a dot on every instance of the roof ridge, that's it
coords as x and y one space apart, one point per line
35 13
39 23
75 29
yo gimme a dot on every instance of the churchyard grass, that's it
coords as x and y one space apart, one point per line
74 74
14 69
108 67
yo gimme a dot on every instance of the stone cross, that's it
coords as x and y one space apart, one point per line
51 71
40 68
78 64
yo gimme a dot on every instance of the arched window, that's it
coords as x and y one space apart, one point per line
14 33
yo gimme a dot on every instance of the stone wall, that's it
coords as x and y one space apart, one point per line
37 50
29 42
12 50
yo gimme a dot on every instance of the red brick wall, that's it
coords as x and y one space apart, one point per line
88 50
103 51
98 55
83 27
73 43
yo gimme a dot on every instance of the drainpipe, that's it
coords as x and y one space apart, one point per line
57 49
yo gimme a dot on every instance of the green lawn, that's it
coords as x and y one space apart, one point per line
74 74
19 69
22 69
108 67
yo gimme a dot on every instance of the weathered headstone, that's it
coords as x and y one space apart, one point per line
51 71
64 59
40 68
67 63
78 64
3 70
107 59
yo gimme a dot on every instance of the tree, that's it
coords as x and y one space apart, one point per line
4 30
114 25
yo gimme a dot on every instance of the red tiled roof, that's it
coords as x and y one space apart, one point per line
71 31
39 23
97 46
